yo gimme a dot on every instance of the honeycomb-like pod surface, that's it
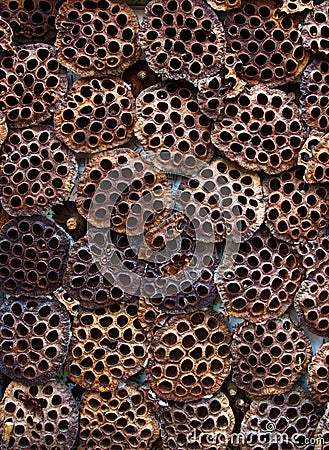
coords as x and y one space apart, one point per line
44 416
321 436
6 35
35 336
314 99
224 5
150 317
170 125
282 421
182 39
189 425
32 82
3 128
268 43
117 420
189 357
97 38
268 358
261 129
107 347
260 281
96 115
314 156
314 253
318 380
31 21
223 200
296 211
37 171
33 253
293 6
315 31
139 76
121 190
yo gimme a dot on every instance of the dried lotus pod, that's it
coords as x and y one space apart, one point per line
199 424
31 84
318 380
321 435
33 253
3 128
267 43
139 76
35 336
261 129
6 35
268 358
294 6
120 418
97 114
260 281
150 317
315 31
107 347
36 172
314 254
314 156
172 129
189 357
295 211
224 5
97 38
182 39
43 416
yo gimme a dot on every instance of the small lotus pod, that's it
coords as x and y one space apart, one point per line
318 380
314 156
314 254
315 31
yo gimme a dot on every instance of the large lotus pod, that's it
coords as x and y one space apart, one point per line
33 253
203 424
35 336
314 156
314 253
189 357
268 358
36 172
139 76
150 317
318 380
294 6
296 211
107 347
32 82
267 43
284 421
96 115
182 39
315 31
259 282
40 417
97 38
122 191
3 128
170 125
116 420
6 35
261 129
321 436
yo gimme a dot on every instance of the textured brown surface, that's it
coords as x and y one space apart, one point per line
66 215
293 6
314 155
3 128
224 5
314 253
151 318
318 381
321 436
6 35
315 31
139 76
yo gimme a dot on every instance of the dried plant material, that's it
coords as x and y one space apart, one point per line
67 216
205 423
314 254
268 44
35 335
260 281
31 83
157 238
4 217
296 211
3 128
182 39
224 5
150 317
71 305
314 156
269 358
170 125
6 35
33 252
294 6
139 76
315 31
97 114
44 416
318 381
107 347
189 357
118 419
97 38
261 129
321 436
36 172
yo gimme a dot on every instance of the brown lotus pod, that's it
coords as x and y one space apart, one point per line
295 211
318 380
33 252
260 281
261 129
37 171
71 305
97 38
121 190
118 419
67 216
107 347
44 416
189 357
314 99
172 129
314 156
139 76
206 423
268 358
224 5
150 317
35 336
321 435
182 39
294 6
314 253
267 43
6 35
282 421
97 114
315 31
31 83
3 128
